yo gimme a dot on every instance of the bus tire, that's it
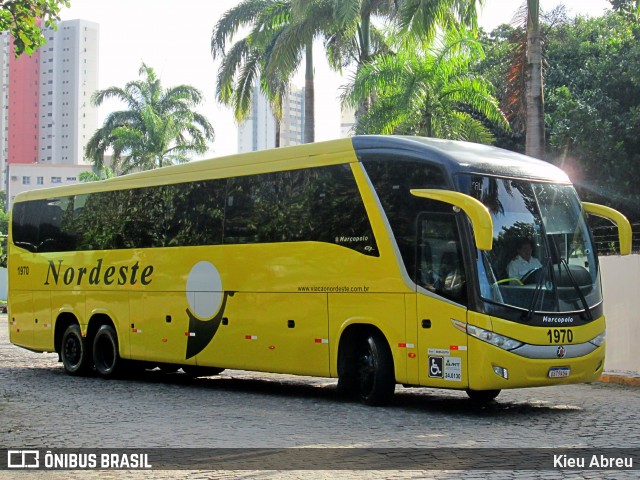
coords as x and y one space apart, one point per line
482 396
375 377
74 352
195 371
105 352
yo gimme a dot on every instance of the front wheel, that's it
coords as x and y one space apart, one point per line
105 352
374 377
483 396
74 352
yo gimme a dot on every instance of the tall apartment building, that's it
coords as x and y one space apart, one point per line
347 122
46 113
258 132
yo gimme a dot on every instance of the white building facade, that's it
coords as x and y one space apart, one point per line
69 76
46 116
258 132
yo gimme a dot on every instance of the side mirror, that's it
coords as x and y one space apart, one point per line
624 227
476 211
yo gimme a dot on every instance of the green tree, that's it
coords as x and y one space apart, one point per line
423 18
593 107
159 128
245 62
430 92
22 18
354 40
281 34
93 176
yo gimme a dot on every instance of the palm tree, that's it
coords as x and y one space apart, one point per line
534 143
524 97
159 127
354 38
422 18
309 18
429 92
282 33
245 63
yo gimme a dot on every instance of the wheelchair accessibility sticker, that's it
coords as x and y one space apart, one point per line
436 368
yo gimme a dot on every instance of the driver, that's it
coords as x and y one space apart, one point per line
524 262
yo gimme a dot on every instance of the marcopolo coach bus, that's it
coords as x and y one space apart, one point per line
378 260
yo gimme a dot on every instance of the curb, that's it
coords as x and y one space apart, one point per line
630 379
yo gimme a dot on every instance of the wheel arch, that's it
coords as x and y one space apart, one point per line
348 339
63 321
96 321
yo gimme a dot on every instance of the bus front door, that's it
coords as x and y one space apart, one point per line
441 302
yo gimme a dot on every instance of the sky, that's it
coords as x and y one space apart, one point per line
174 37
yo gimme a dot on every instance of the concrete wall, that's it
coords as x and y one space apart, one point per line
3 283
621 290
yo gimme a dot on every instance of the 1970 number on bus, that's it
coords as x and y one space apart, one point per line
560 335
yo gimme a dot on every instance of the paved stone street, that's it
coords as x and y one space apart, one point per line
42 407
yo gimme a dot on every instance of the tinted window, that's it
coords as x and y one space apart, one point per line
393 178
26 218
440 266
321 204
194 213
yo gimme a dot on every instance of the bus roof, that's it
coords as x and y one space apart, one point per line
454 156
463 157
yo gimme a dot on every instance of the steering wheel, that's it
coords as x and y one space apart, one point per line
531 276
511 279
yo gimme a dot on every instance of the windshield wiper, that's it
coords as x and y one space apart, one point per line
536 293
575 285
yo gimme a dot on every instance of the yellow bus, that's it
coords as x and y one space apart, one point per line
377 260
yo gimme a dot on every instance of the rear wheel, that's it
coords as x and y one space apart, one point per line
105 352
74 352
483 396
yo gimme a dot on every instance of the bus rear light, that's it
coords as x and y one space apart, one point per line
501 372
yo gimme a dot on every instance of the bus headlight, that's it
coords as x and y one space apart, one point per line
493 338
599 340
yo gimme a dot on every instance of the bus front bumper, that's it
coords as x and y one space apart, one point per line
491 368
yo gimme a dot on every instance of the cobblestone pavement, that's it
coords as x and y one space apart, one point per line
42 407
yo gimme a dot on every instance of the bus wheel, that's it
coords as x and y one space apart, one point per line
375 378
195 371
76 357
482 396
105 352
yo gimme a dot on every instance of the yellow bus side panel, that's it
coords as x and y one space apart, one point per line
384 311
21 320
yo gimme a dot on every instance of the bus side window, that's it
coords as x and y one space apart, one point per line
26 219
441 266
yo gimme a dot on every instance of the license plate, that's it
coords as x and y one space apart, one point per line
559 372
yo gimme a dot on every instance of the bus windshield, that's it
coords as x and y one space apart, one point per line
542 258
